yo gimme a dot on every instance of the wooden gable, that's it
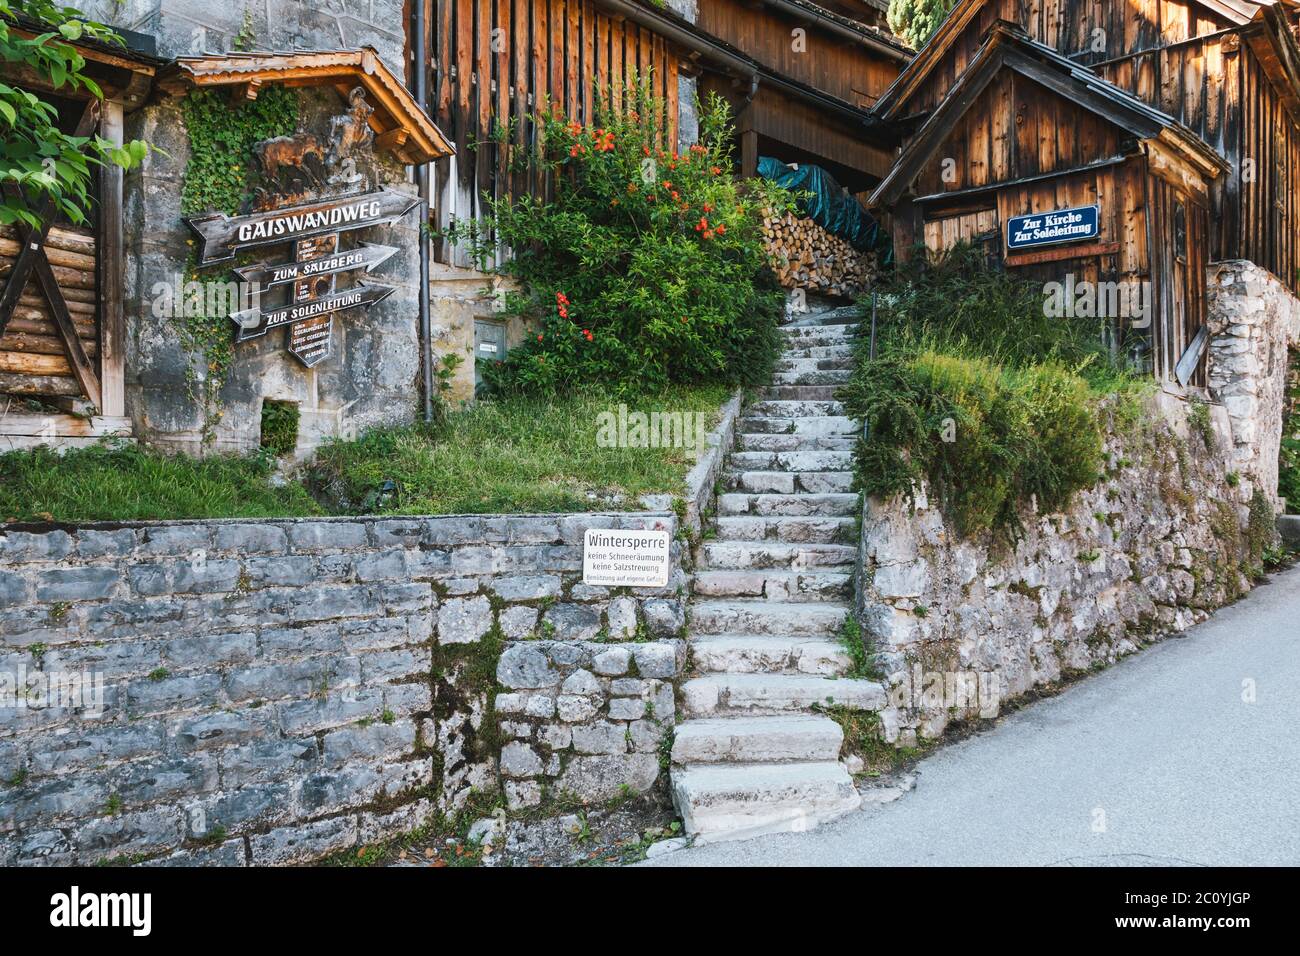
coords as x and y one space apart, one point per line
399 123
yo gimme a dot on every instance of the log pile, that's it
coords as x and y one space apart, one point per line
806 256
33 358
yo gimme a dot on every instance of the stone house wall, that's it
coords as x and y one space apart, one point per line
373 376
1253 317
268 692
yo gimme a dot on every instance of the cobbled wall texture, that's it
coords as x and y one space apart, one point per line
1252 319
1164 538
275 691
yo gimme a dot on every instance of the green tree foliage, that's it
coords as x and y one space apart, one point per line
645 268
35 155
916 20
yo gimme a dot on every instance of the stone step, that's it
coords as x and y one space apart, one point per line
775 585
814 364
738 801
819 334
778 409
788 482
791 461
769 654
787 737
812 377
818 352
830 529
739 616
769 442
798 393
762 555
818 317
825 425
716 695
738 503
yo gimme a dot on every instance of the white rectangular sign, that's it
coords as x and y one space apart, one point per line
634 559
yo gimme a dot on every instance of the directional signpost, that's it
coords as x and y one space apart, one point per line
313 296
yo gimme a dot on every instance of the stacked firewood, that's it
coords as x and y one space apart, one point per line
806 256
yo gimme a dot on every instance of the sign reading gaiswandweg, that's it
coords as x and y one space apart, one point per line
312 298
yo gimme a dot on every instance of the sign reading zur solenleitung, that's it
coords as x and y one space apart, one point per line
1051 228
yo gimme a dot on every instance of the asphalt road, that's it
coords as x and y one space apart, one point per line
1156 761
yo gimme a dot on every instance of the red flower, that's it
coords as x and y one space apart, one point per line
715 170
721 229
702 224
667 184
708 233
539 337
708 207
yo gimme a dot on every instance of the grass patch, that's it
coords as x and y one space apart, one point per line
518 456
978 393
118 482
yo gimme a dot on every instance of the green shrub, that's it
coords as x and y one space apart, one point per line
978 394
644 269
1288 479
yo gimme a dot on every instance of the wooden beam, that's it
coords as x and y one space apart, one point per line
1084 251
33 242
112 274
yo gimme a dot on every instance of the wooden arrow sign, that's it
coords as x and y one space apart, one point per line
366 256
254 322
222 236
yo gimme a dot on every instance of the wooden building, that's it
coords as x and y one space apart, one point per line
493 63
62 323
1025 132
1201 92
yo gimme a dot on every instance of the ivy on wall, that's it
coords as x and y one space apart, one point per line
220 177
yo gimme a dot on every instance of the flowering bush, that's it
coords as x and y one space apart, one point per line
645 268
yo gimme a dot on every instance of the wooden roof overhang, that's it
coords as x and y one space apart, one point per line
1174 148
123 75
1273 42
1238 13
400 124
704 49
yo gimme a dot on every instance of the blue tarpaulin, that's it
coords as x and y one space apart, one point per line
827 204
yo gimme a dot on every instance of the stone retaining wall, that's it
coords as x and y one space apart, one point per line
269 692
1171 532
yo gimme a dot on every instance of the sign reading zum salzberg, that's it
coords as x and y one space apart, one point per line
222 236
1051 228
633 559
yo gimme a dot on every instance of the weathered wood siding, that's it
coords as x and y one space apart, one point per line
823 60
495 63
1195 65
1022 149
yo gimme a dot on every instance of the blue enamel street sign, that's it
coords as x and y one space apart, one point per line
1051 228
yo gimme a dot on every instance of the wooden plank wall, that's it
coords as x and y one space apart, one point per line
851 71
495 63
1186 60
33 359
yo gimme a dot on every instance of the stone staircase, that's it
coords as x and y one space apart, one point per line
770 593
